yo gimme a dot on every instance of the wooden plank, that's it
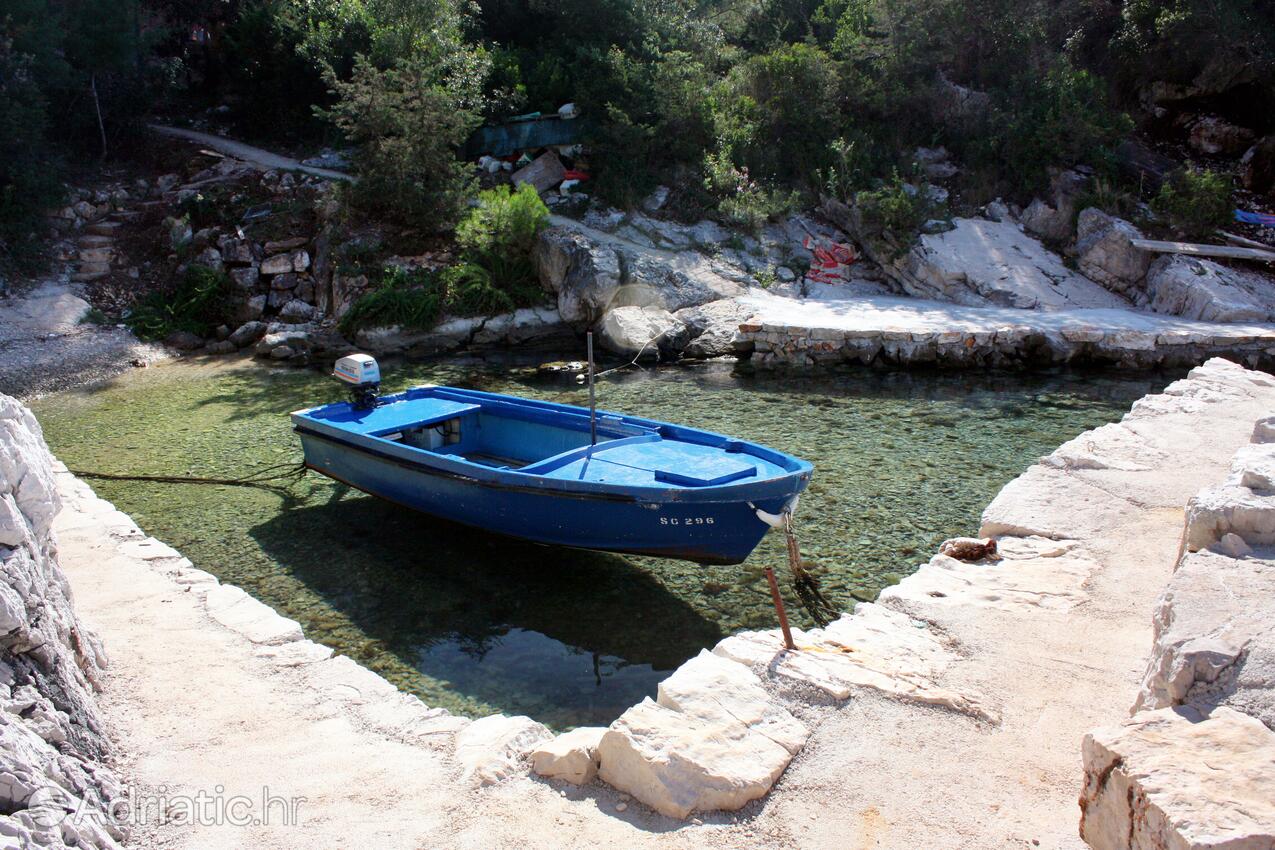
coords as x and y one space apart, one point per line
1228 251
1245 241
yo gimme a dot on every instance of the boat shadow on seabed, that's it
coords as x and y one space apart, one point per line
570 637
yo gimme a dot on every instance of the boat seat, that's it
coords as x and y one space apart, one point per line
449 410
549 464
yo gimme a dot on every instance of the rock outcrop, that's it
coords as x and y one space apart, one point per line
641 331
1202 289
54 787
1179 779
1194 765
994 263
571 756
1257 167
591 272
713 739
1105 252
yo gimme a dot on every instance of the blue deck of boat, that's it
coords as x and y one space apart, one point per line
627 454
386 418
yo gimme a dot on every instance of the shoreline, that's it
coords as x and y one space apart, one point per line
933 648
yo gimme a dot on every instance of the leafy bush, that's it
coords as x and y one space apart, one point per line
495 273
1195 203
775 115
1061 118
408 299
201 300
28 183
499 234
743 201
408 122
895 209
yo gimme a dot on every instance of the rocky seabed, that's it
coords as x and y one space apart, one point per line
723 728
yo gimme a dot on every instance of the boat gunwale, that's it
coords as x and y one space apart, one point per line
456 466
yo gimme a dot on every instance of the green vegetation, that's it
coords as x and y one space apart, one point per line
199 302
746 109
1195 203
495 273
407 299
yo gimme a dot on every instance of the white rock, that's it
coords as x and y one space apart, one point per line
981 263
1218 511
1215 638
278 264
1264 430
630 330
491 748
714 327
1201 289
873 648
235 609
1253 467
678 763
295 654
13 526
571 756
1054 583
715 688
1105 252
1049 502
1179 780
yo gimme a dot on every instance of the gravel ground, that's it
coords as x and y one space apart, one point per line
45 346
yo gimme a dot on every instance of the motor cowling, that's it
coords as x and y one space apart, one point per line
362 375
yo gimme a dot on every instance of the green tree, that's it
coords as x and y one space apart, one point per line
776 114
408 121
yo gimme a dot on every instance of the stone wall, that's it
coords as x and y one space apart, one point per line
1034 340
53 746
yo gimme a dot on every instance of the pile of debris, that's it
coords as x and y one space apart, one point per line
543 151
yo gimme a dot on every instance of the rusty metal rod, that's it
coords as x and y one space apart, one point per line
779 608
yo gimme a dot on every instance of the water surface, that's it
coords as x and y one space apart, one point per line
480 624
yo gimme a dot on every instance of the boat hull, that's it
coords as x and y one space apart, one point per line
705 530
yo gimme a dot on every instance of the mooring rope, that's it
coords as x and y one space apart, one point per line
805 583
264 479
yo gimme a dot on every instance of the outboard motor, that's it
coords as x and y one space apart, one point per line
362 375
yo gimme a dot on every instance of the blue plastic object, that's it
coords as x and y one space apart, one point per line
526 469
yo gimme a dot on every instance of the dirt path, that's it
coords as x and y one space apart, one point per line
247 153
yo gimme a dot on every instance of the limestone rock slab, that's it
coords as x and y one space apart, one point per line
980 263
1215 637
679 763
491 748
716 688
875 648
1053 582
1047 502
1176 779
235 609
1105 252
1213 513
571 756
1201 289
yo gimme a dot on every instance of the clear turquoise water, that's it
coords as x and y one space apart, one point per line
479 624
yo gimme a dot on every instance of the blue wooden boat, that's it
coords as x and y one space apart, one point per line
528 469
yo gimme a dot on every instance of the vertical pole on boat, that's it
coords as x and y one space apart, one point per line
779 608
593 411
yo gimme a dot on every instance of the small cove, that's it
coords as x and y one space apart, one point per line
479 624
